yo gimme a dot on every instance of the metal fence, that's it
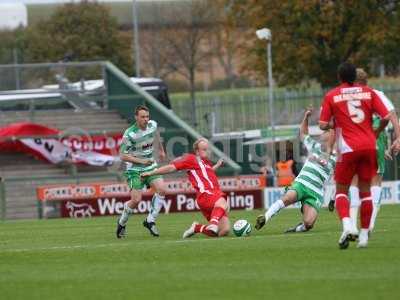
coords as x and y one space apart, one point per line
52 85
32 76
245 111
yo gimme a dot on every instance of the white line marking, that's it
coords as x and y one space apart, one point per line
149 242
135 242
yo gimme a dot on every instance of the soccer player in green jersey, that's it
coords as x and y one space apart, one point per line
308 186
137 151
382 154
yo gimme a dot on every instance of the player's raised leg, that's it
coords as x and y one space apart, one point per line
289 198
216 213
223 229
219 210
224 226
156 204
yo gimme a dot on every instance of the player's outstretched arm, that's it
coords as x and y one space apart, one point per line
219 163
304 123
396 127
388 152
160 171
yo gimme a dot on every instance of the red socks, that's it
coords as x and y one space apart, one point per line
200 228
366 209
216 214
342 205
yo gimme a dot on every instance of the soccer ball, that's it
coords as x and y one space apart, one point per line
241 228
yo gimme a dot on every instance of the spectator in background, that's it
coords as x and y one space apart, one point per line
289 156
285 175
268 172
286 169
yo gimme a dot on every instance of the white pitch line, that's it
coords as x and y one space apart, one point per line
61 248
140 243
244 237
135 242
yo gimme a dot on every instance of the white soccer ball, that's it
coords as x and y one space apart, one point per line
242 228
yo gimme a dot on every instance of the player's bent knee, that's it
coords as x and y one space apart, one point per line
224 227
308 225
222 203
135 199
159 187
289 198
161 192
223 232
134 203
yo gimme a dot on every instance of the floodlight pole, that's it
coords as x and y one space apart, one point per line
17 75
271 100
136 47
265 34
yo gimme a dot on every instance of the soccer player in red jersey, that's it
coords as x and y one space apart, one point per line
348 108
210 199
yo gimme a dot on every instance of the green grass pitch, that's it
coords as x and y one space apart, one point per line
81 259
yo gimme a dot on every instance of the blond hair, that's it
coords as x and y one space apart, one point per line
362 76
197 142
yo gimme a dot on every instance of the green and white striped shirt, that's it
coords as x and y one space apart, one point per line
318 167
139 143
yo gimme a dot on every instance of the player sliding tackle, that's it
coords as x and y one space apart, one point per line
210 199
308 186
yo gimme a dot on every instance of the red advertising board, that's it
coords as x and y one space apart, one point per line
100 199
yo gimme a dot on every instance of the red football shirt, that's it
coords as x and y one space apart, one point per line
352 107
200 173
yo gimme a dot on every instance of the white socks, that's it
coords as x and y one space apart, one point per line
354 205
274 209
347 224
156 205
123 219
363 238
376 194
376 199
354 196
301 228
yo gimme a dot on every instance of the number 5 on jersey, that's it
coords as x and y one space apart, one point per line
356 113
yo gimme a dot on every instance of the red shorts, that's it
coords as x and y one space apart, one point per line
206 203
361 162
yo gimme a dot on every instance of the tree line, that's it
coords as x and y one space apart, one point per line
309 39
